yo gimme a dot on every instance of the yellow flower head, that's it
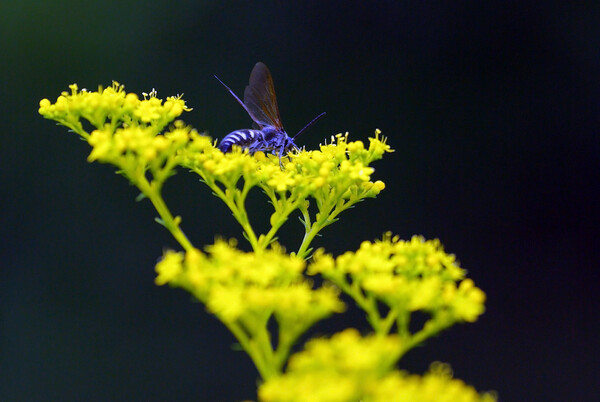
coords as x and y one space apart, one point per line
349 353
234 284
169 267
128 131
340 167
111 105
437 385
406 276
336 176
348 367
334 369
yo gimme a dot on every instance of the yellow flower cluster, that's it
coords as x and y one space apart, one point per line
137 143
348 367
128 133
336 176
246 290
112 105
406 276
437 385
234 284
251 291
341 167
127 130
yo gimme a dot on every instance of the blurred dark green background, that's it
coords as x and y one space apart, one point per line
492 109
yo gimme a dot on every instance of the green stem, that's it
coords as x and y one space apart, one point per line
308 238
241 215
381 326
255 353
388 322
287 339
403 322
311 230
426 332
258 343
263 342
77 129
152 191
326 218
370 307
283 217
237 206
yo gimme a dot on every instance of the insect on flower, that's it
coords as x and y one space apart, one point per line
260 102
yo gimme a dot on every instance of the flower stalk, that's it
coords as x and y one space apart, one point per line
253 292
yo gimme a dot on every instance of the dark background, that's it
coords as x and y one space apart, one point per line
492 110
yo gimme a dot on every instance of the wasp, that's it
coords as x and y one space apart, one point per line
260 102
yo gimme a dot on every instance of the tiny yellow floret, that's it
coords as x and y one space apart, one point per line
169 267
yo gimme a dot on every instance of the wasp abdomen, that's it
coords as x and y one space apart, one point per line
242 138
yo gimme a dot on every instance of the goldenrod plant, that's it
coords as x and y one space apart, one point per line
268 297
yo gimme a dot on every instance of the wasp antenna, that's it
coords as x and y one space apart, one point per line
234 95
309 124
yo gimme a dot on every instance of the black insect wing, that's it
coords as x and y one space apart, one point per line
260 103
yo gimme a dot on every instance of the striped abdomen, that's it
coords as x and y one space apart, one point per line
268 139
243 138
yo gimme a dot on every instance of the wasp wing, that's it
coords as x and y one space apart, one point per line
259 98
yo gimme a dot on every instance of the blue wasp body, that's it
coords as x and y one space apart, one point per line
267 140
260 103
